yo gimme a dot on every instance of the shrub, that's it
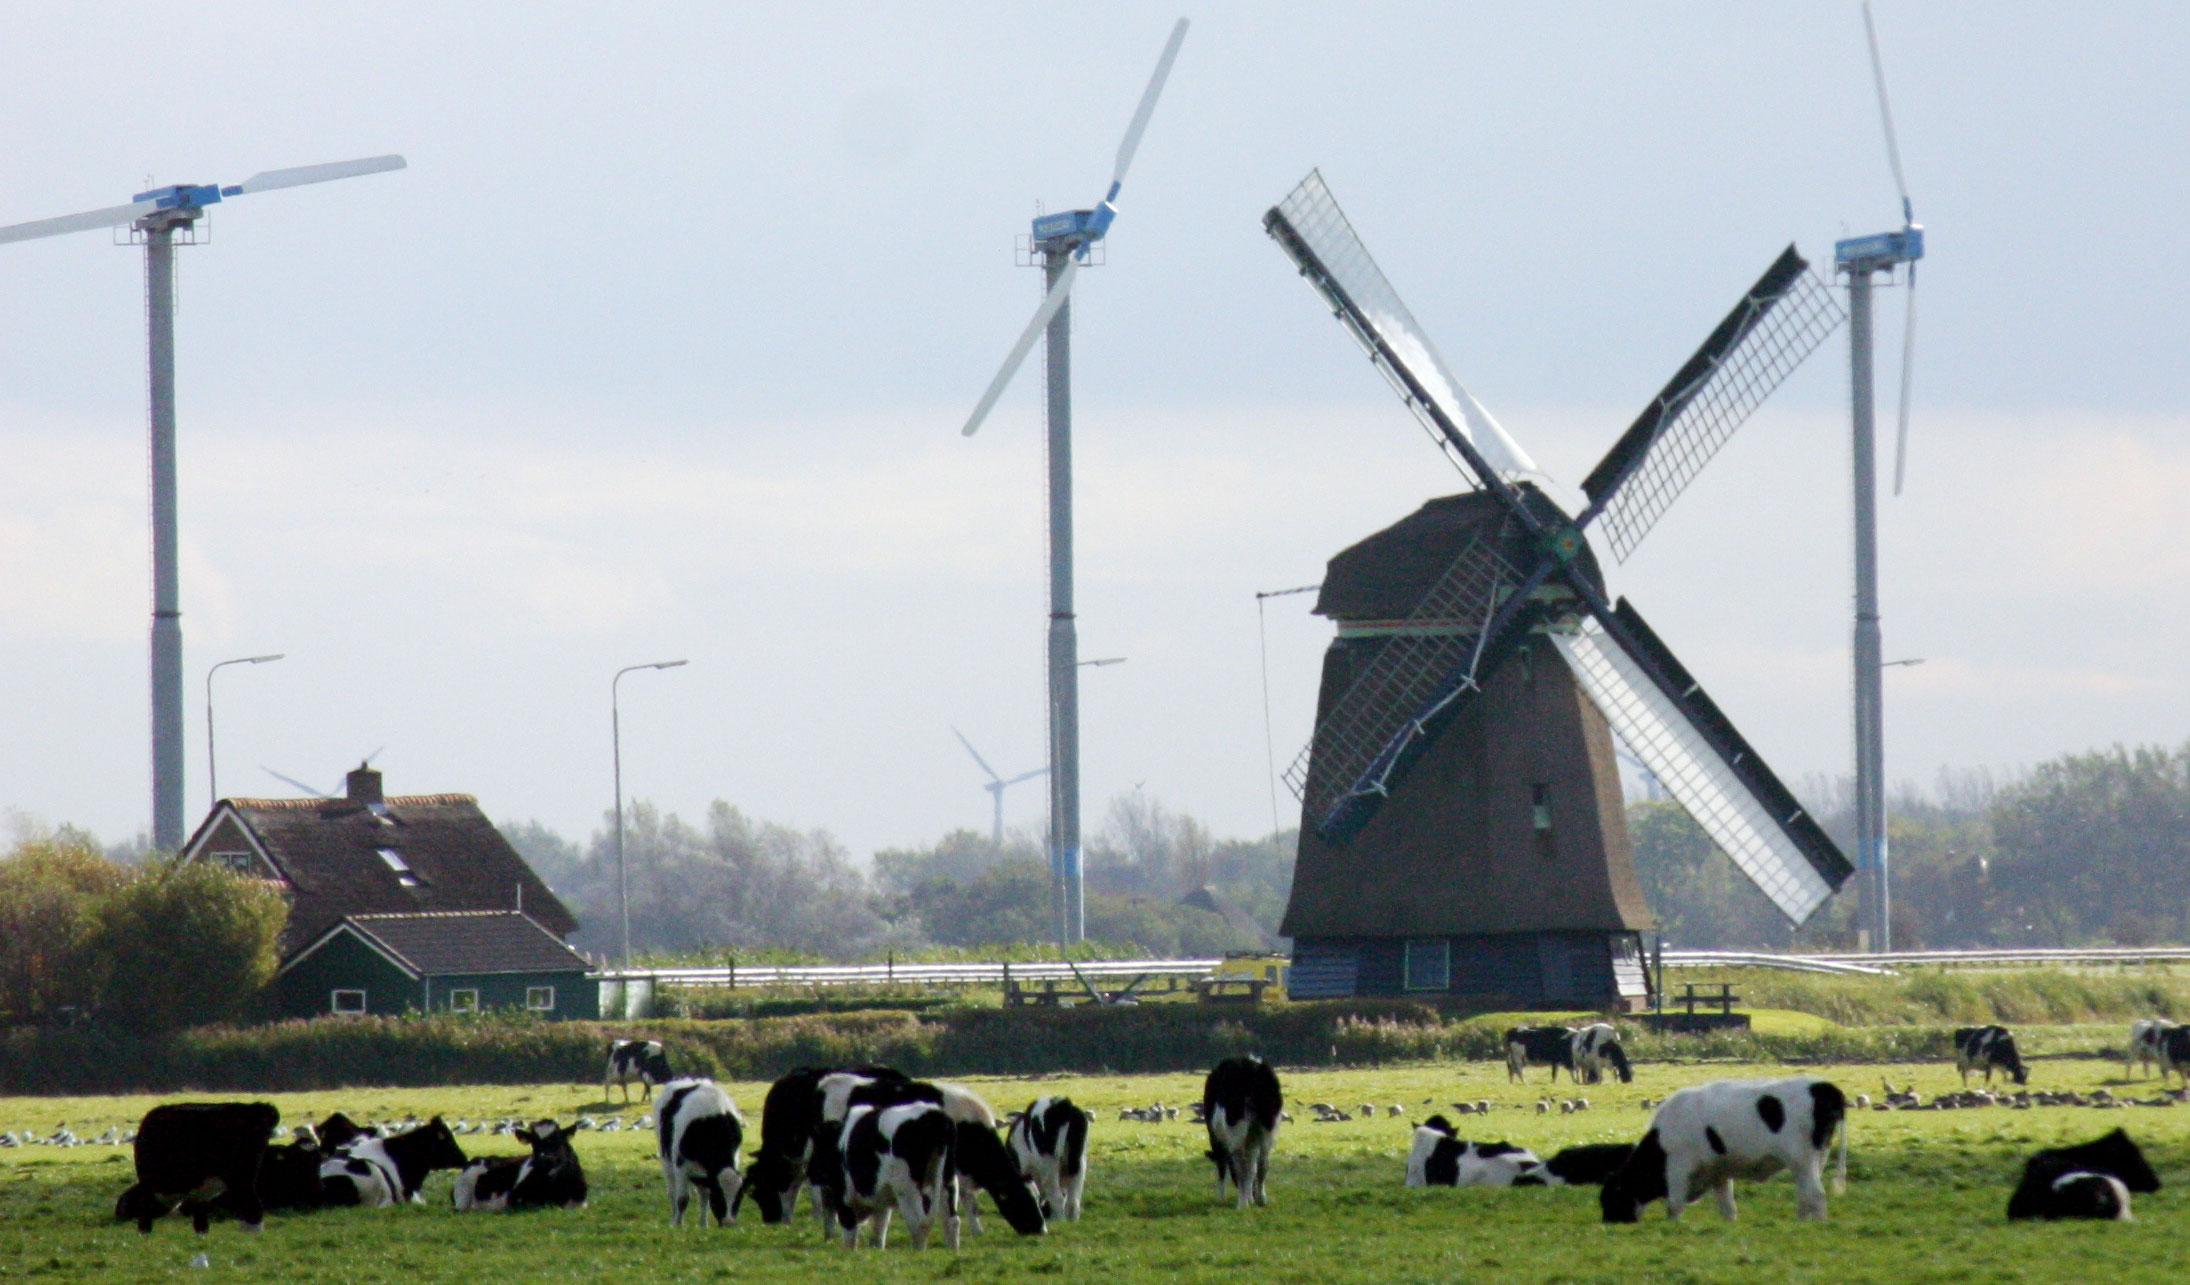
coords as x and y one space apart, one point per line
185 945
49 898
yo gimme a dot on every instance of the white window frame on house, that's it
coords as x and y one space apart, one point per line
239 861
539 999
335 1002
404 875
1426 951
465 1000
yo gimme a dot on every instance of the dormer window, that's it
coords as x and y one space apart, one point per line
403 872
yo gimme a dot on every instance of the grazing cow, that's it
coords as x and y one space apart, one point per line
1242 1101
550 1176
984 1163
1594 1048
381 1172
2147 1045
1590 1165
1441 1159
1542 1045
896 1158
2175 1054
643 1060
788 1118
700 1132
1710 1134
1988 1048
2060 1183
199 1154
1050 1141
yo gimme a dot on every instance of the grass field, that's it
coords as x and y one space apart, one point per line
1925 1201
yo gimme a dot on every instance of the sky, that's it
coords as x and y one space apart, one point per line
660 347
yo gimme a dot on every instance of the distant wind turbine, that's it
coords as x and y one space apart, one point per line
996 787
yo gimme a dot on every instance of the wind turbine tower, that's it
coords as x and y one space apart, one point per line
164 218
1062 241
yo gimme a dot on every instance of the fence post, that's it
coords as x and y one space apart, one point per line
730 972
889 975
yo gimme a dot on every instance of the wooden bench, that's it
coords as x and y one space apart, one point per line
1723 999
1230 990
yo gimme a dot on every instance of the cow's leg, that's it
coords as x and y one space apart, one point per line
1726 1199
733 1182
1677 1190
1073 1187
673 1180
1810 1189
969 1199
717 1203
882 1227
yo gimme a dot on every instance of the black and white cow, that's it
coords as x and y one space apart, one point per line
1551 1046
2147 1045
1594 1049
1706 1136
550 1177
836 1095
1241 1101
643 1060
381 1172
699 1132
1589 1165
1441 1159
897 1159
2092 1180
1987 1049
984 1163
1050 1141
2175 1054
201 1155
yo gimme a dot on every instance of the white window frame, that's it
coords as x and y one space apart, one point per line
534 1002
464 1000
1442 947
335 998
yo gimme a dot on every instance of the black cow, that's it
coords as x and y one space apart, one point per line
699 1132
788 1117
1242 1101
1050 1141
1551 1046
200 1154
289 1174
1590 1165
1988 1048
550 1176
643 1060
982 1160
2056 1183
381 1172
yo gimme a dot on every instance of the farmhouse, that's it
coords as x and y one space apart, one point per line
411 901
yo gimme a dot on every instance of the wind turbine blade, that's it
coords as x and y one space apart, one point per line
293 782
1147 108
977 757
1908 363
1885 114
113 216
298 176
1051 302
1028 776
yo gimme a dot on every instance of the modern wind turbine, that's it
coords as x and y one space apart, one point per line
1861 258
159 216
1061 241
996 787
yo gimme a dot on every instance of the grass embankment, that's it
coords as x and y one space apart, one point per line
1925 1202
1964 997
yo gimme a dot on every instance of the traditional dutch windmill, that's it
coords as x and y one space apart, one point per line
1461 822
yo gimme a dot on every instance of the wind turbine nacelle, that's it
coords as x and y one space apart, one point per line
1074 228
1876 253
179 196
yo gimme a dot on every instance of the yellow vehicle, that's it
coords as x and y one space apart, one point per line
1274 971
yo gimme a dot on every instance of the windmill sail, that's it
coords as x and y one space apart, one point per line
1781 321
1314 232
1695 753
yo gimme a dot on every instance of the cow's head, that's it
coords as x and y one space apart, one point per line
770 1182
1639 1181
545 1137
437 1145
2118 1155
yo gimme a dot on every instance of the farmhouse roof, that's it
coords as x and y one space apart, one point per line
366 854
456 943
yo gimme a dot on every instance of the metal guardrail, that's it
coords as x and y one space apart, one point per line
1760 959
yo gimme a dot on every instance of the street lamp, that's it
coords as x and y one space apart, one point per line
616 749
212 777
1107 660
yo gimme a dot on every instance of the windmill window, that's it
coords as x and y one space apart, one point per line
1429 964
540 999
464 1001
403 872
346 1002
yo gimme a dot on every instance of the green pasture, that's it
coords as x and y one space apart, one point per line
1927 1190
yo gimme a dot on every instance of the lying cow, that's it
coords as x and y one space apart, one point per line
2147 1045
1595 1049
1551 1046
1590 1165
643 1060
378 1173
201 1155
1987 1049
1242 1102
699 1132
550 1177
1441 1159
289 1173
1706 1136
1050 1142
897 1159
2092 1180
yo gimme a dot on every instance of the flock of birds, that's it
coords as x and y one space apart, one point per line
1908 1099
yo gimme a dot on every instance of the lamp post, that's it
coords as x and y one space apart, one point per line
616 750
212 775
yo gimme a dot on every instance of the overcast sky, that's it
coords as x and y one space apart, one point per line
660 347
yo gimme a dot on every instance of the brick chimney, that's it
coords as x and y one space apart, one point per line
363 785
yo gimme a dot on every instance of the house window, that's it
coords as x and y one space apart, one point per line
1429 964
403 873
464 1001
540 999
347 1002
240 862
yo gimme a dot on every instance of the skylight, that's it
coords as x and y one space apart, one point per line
403 872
